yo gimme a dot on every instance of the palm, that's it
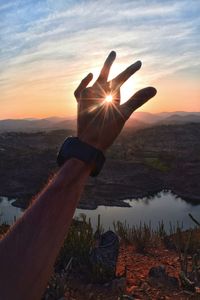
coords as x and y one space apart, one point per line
99 121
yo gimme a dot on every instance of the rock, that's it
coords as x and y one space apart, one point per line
157 272
161 277
173 281
118 284
103 256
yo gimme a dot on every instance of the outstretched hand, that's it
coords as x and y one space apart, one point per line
101 119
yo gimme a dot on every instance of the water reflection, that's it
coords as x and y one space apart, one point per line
8 213
164 206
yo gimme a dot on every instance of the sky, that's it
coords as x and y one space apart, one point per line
48 46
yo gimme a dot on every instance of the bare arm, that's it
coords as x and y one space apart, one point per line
29 250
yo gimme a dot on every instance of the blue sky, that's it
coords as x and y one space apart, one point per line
47 46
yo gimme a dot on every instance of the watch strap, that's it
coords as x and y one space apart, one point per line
73 147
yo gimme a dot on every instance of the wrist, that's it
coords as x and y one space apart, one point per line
81 165
75 148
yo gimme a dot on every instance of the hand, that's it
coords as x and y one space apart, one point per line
99 121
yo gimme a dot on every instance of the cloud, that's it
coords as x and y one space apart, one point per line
49 40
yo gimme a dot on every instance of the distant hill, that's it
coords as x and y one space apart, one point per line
171 117
134 123
137 121
27 125
181 119
146 117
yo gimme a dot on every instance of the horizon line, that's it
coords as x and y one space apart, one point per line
74 117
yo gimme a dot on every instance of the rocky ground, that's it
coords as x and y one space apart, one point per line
150 276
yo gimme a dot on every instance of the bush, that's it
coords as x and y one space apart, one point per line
77 244
142 236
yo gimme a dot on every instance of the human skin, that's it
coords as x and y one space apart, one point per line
29 250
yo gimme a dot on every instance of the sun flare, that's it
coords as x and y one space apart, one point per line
109 98
131 86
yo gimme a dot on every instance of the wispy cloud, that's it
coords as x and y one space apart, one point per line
44 41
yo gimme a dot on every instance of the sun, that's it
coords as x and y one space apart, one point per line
131 86
109 98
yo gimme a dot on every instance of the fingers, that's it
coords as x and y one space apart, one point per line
103 77
83 85
137 100
122 77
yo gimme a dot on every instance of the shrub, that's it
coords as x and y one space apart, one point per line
77 244
142 236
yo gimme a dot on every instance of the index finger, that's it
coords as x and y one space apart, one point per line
103 76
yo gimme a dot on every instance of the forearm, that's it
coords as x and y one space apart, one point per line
28 252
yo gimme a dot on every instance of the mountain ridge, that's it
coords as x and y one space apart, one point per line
138 120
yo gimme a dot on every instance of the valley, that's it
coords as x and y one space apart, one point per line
141 163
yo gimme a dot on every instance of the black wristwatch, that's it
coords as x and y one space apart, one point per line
75 148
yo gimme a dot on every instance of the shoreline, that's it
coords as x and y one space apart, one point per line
118 202
121 180
154 159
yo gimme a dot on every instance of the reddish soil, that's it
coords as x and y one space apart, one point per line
138 285
137 267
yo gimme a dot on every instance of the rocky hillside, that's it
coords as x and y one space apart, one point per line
140 163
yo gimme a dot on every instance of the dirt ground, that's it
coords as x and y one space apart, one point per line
134 281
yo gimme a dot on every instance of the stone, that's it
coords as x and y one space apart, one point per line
103 256
159 274
118 284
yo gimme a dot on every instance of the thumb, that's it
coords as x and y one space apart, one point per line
137 100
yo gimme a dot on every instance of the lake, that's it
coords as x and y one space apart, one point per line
164 206
8 212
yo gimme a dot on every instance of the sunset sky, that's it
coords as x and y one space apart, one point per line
48 46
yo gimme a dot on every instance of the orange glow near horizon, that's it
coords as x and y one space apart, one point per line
48 49
54 96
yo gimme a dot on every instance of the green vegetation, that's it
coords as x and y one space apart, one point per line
142 236
157 163
81 238
77 244
188 247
